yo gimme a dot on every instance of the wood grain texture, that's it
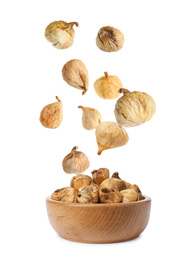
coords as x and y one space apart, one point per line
99 223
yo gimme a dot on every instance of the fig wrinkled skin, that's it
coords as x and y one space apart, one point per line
109 195
113 184
88 194
100 175
75 162
80 181
129 195
107 86
51 115
134 108
60 34
75 73
91 117
67 194
110 135
109 39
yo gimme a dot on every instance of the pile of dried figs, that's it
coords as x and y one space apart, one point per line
99 189
133 108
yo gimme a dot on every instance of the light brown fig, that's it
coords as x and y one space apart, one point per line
91 117
67 194
134 108
100 175
107 86
110 135
75 162
88 194
60 34
136 188
74 72
109 195
129 195
80 181
109 39
51 115
114 183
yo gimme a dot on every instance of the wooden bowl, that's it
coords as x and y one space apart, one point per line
99 223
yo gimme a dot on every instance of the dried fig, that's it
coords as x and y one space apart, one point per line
51 115
60 34
67 194
134 108
80 181
91 117
75 74
110 135
88 194
114 183
136 188
75 162
109 39
109 195
100 175
107 86
129 195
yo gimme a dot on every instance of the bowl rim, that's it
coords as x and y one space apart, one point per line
145 200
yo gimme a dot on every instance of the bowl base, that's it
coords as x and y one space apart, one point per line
98 242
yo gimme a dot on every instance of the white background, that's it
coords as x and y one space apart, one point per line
156 59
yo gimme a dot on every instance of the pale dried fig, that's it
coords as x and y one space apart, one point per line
88 194
109 195
109 39
110 135
80 181
74 72
113 184
67 194
136 188
107 86
60 34
91 117
75 162
100 175
51 115
134 108
129 195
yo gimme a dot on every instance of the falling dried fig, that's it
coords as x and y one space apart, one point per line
51 115
75 162
74 72
91 117
134 108
107 86
109 39
110 135
60 34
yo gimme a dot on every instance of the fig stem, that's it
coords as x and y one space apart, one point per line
84 91
116 175
106 75
58 99
74 150
124 91
72 24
